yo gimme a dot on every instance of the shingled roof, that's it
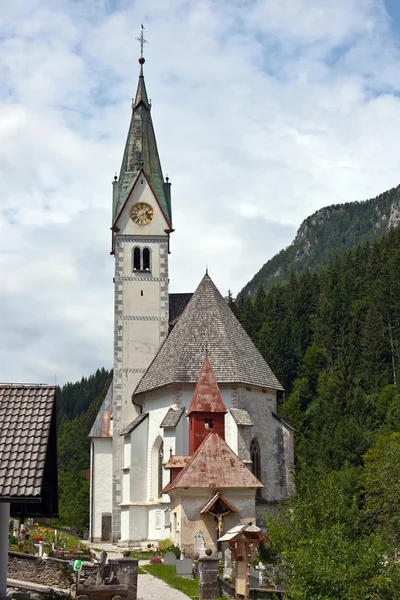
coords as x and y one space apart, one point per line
208 326
172 417
214 465
27 417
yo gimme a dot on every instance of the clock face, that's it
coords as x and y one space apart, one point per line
142 213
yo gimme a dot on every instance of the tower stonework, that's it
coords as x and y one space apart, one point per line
141 229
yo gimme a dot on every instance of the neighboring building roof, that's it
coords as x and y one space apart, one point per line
207 397
141 153
208 326
27 416
214 465
241 417
135 423
177 304
172 417
103 425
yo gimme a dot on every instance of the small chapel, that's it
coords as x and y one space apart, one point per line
187 442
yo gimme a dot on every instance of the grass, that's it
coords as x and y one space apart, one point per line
167 573
141 572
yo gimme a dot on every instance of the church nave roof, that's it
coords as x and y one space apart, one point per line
208 326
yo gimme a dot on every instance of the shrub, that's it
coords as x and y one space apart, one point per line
165 545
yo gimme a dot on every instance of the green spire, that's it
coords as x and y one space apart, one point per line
141 153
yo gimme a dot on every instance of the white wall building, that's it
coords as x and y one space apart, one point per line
160 343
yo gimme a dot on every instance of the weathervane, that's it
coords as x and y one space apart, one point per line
142 41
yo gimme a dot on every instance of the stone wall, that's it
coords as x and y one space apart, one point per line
49 571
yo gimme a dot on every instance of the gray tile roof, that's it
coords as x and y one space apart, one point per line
208 324
25 417
241 417
102 427
135 423
172 417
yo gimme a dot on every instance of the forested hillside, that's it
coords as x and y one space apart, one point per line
326 234
333 339
77 407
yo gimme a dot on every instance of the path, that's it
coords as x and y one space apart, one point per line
150 588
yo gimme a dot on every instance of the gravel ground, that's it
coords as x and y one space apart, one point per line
150 588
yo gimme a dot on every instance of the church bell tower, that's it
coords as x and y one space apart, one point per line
141 226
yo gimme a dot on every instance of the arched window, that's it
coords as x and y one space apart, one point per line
137 259
141 259
256 462
160 469
146 259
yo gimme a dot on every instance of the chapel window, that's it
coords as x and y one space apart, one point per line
209 423
255 462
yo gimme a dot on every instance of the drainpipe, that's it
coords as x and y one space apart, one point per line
4 522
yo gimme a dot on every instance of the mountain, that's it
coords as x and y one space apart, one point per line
326 234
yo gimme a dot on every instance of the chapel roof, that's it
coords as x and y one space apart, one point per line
103 425
27 416
208 326
214 465
141 153
207 397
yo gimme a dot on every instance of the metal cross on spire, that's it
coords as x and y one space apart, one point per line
142 41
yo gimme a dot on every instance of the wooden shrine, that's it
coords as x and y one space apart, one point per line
244 541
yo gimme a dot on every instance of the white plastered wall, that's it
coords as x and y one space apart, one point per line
101 483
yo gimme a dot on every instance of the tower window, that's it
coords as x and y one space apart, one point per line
141 259
209 423
146 259
136 259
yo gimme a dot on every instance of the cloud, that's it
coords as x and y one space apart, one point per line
263 111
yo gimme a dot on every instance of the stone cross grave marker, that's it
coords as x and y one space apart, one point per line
227 563
199 544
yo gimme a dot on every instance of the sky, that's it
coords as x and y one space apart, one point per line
264 112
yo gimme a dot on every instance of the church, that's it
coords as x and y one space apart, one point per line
187 441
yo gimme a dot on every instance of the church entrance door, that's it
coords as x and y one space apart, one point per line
105 528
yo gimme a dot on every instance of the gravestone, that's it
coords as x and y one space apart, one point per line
254 578
184 568
169 558
227 563
199 544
